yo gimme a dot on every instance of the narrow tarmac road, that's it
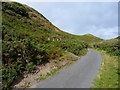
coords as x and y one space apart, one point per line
78 75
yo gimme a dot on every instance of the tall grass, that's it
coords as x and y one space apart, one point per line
108 76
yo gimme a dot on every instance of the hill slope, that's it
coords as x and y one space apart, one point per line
90 38
29 39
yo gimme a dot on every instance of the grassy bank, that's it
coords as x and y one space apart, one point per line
108 74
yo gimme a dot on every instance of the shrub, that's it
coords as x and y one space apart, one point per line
14 7
110 46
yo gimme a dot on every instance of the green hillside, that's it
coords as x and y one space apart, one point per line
90 38
29 39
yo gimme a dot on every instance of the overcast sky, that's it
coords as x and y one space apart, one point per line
97 18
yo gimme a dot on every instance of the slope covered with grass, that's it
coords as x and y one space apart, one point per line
90 38
29 39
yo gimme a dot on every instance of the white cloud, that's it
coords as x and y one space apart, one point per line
105 33
108 33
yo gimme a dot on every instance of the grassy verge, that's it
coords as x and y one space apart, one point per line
108 74
53 72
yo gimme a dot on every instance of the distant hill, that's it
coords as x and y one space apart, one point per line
89 38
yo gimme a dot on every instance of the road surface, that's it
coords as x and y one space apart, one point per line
78 75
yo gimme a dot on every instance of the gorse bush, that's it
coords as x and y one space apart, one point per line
73 46
110 46
24 56
29 39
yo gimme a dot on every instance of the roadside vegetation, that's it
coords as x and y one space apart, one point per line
112 47
53 72
109 74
